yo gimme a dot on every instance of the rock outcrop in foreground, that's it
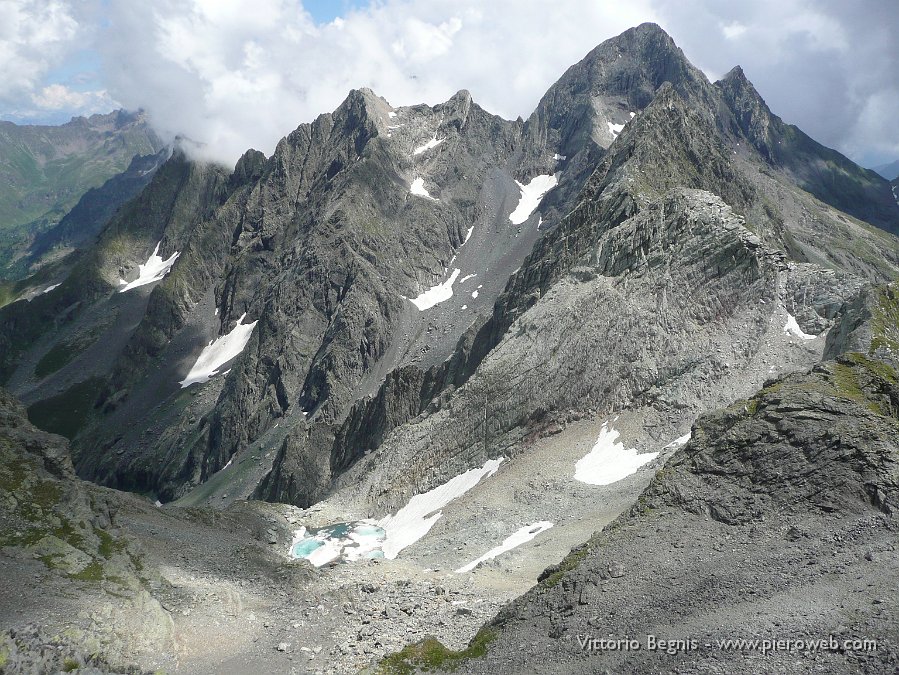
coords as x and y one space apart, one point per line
777 521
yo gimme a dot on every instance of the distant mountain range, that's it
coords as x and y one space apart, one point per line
889 171
641 346
45 170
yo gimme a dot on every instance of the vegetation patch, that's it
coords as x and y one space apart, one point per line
431 655
109 545
570 562
752 406
59 356
93 572
878 368
15 480
67 413
885 324
846 383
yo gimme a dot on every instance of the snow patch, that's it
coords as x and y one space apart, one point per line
418 188
558 157
467 236
633 115
466 278
792 328
390 113
219 352
615 129
609 462
680 441
474 294
416 518
153 270
436 294
517 538
531 194
433 143
50 288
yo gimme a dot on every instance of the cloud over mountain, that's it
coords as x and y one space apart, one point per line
236 74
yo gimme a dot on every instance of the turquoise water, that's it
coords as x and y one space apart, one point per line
333 531
304 547
354 540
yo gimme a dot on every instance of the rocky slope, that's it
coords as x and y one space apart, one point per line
54 252
104 581
85 221
60 535
823 172
775 522
700 309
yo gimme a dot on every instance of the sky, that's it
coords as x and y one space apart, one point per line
235 74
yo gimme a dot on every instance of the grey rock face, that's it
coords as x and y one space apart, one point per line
644 294
618 77
675 329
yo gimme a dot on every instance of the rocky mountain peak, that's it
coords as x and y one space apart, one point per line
360 108
735 74
751 113
248 168
588 105
825 173
455 111
635 64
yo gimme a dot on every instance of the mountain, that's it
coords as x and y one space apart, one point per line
45 170
466 343
889 171
825 173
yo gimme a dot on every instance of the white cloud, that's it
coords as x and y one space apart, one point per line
421 42
876 127
733 30
61 97
241 74
34 36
